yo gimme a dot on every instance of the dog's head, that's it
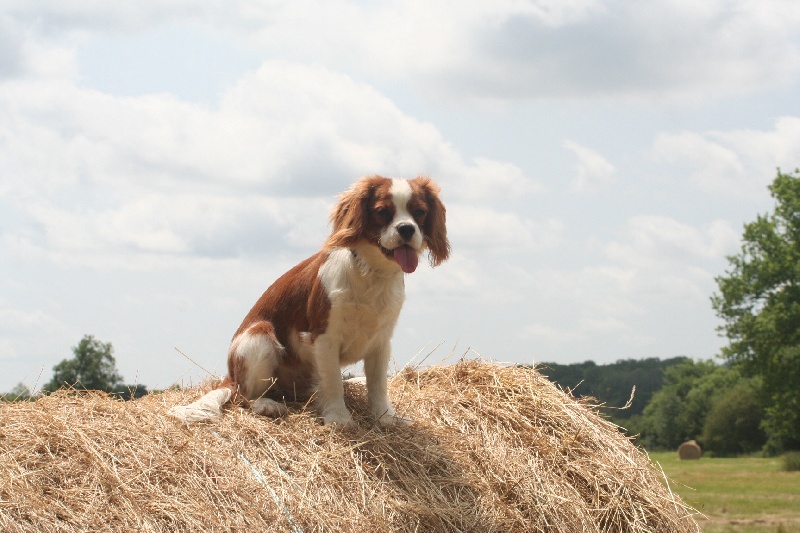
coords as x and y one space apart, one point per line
400 217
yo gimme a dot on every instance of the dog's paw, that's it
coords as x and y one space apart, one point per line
268 407
339 420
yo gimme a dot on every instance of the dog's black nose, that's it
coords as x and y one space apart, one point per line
406 231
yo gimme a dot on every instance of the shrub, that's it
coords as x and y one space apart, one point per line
733 424
790 462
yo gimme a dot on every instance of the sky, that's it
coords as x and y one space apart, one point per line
162 162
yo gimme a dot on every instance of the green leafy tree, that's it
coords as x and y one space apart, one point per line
733 425
20 393
759 302
92 368
678 411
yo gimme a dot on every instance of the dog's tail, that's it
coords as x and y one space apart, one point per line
206 408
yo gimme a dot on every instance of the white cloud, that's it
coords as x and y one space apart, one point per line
594 171
501 50
667 256
155 174
735 162
11 61
27 333
653 238
710 166
765 149
65 17
544 333
656 273
581 311
510 50
482 228
486 180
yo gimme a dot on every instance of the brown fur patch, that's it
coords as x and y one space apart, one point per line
295 302
434 227
355 216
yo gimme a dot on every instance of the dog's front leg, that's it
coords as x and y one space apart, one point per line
376 369
330 389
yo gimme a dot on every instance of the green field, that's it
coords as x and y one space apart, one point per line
746 494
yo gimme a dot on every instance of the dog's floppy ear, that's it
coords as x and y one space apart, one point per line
349 217
434 228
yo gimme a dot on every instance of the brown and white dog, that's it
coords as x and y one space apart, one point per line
336 308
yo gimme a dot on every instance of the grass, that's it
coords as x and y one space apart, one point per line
736 495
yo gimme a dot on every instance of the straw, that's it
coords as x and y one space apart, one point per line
492 449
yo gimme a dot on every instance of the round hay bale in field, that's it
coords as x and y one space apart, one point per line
492 449
689 450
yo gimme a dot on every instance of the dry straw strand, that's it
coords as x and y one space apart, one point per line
493 449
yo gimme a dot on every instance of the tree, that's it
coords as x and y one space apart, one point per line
92 368
678 411
20 393
759 302
733 424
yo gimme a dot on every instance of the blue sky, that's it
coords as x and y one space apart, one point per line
161 163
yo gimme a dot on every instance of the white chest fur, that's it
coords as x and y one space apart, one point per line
365 302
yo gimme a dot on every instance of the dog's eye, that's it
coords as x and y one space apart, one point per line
384 213
419 213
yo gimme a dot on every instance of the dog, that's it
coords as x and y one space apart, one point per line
336 308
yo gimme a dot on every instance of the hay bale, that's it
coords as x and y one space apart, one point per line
689 450
493 449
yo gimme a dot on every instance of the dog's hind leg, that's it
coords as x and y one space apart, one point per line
254 357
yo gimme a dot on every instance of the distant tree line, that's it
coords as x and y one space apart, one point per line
92 367
613 383
676 400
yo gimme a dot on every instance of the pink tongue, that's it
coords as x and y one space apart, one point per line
406 258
